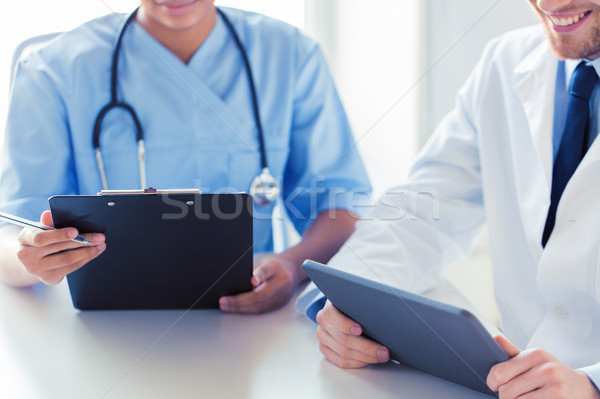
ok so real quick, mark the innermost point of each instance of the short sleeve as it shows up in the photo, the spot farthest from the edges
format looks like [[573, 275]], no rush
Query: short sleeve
[[324, 169], [37, 159]]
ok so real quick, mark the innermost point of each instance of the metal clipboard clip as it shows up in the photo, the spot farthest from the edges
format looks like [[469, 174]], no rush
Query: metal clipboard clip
[[151, 191]]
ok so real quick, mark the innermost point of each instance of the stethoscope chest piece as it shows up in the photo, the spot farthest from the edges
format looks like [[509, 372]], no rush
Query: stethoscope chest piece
[[264, 188]]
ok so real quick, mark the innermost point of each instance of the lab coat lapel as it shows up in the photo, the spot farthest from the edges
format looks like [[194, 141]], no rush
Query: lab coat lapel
[[535, 88]]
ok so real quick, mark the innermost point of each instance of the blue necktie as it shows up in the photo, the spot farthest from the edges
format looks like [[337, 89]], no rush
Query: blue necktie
[[574, 142]]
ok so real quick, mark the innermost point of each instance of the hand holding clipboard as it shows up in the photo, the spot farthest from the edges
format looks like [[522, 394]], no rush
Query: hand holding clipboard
[[29, 223], [50, 254], [166, 249]]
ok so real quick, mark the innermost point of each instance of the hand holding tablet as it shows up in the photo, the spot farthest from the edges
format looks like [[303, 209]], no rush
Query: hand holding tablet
[[419, 332]]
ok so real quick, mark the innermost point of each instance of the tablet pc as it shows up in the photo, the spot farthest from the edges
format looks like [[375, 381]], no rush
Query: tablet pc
[[420, 332], [163, 251]]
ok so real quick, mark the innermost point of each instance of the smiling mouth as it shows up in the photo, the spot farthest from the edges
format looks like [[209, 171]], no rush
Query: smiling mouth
[[570, 20], [173, 3]]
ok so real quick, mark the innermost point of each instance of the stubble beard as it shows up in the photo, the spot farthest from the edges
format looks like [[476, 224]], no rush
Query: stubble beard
[[573, 46], [563, 47]]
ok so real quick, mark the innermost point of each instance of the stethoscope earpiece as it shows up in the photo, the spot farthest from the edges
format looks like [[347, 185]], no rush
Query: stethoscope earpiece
[[264, 187]]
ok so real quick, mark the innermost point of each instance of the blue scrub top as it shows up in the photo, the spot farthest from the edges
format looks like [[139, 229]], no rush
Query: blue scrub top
[[197, 118]]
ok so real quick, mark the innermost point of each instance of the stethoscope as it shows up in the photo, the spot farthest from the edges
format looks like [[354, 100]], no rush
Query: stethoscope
[[264, 187]]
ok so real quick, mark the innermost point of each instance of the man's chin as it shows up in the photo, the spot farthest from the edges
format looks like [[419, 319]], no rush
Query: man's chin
[[564, 48], [574, 54]]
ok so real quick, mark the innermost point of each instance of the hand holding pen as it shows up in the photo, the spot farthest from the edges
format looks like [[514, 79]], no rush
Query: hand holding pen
[[18, 221], [50, 254]]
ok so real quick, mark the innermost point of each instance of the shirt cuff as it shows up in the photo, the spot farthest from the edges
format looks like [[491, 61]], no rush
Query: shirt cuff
[[311, 301], [593, 373]]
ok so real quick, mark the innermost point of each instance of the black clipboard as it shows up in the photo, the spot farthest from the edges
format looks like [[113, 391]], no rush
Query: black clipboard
[[165, 249]]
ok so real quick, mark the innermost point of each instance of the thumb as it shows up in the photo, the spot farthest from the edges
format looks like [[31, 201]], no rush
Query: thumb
[[263, 272], [46, 219], [508, 347]]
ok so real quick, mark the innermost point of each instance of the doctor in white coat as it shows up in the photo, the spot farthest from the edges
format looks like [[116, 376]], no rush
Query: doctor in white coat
[[491, 160]]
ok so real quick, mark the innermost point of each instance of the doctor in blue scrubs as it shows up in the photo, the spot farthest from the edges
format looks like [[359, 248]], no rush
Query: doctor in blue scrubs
[[181, 68]]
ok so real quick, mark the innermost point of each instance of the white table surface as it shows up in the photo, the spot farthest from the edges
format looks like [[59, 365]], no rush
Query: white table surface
[[50, 350]]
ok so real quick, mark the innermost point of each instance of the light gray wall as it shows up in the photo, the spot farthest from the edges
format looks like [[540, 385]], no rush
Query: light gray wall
[[398, 65], [455, 33], [372, 49]]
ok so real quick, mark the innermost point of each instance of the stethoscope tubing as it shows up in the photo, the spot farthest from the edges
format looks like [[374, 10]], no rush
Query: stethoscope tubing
[[114, 103], [261, 140]]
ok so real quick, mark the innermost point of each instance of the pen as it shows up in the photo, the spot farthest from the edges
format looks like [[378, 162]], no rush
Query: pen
[[28, 223]]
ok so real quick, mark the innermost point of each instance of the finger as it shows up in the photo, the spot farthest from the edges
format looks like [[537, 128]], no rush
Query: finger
[[96, 239], [46, 219], [371, 350], [55, 276], [261, 299], [508, 347], [537, 394], [522, 384], [344, 330], [506, 371], [32, 237], [272, 293], [352, 348], [338, 360], [264, 272], [331, 315], [34, 258], [501, 373], [233, 303], [41, 266], [71, 257]]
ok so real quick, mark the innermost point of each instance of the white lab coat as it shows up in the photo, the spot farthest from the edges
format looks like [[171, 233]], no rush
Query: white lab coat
[[495, 148]]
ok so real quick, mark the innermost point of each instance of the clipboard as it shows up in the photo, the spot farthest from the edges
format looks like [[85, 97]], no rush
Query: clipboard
[[165, 249], [420, 332]]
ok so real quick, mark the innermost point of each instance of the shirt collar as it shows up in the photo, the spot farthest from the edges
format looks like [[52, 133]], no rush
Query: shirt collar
[[570, 66]]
